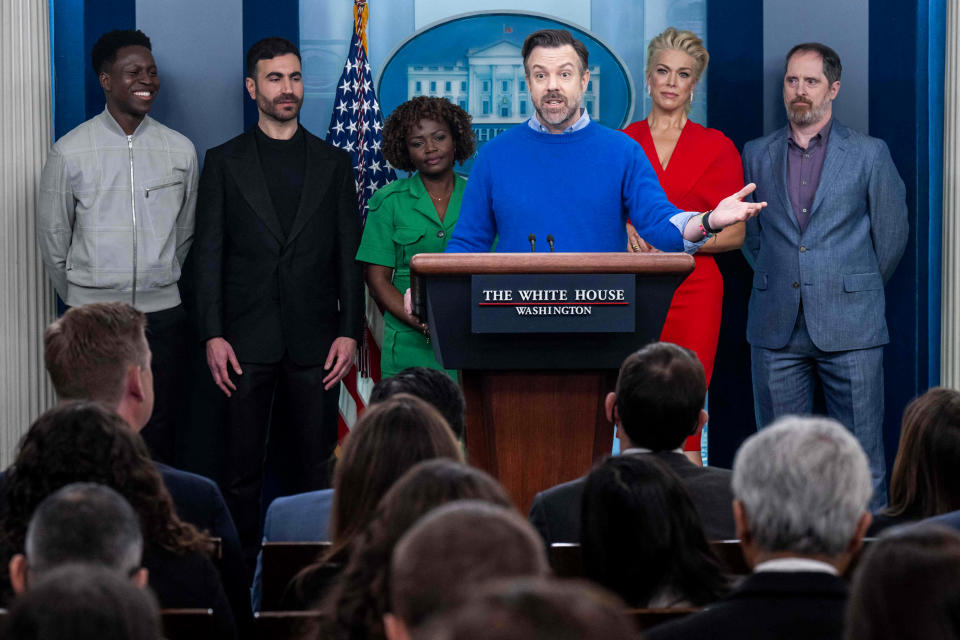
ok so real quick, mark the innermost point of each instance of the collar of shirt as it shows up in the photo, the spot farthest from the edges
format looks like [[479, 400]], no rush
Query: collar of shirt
[[582, 122], [820, 137], [795, 565], [635, 450]]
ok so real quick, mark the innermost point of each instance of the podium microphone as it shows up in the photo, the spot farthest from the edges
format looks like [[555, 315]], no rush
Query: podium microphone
[[550, 241], [533, 243]]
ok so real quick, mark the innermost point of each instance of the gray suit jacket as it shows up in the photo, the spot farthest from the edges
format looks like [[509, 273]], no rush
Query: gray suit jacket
[[855, 237], [555, 513]]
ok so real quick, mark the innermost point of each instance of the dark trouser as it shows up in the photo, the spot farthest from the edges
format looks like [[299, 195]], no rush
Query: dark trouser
[[852, 381], [167, 335], [309, 427]]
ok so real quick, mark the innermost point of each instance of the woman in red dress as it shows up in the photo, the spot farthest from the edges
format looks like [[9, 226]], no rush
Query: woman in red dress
[[697, 167]]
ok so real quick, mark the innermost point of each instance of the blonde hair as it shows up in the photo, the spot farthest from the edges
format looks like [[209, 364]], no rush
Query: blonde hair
[[686, 41]]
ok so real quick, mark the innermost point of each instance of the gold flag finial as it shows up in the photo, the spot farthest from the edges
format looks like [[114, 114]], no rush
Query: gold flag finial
[[360, 13]]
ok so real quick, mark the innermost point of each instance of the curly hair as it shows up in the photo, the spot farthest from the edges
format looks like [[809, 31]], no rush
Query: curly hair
[[362, 594], [105, 48], [85, 442], [408, 114]]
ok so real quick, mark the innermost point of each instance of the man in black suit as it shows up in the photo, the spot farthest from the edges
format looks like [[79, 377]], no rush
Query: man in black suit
[[279, 294], [657, 404], [100, 352], [801, 489]]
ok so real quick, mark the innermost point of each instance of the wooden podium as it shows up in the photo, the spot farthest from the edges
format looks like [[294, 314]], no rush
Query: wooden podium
[[535, 372]]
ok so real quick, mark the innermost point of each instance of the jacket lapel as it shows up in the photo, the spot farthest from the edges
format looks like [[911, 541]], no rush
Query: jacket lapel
[[423, 205], [778, 168], [316, 178], [832, 164], [253, 186]]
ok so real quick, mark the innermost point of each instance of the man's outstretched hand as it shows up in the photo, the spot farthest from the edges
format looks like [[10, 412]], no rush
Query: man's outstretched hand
[[730, 210]]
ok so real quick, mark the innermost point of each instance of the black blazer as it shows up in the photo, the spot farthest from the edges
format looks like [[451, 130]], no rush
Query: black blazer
[[198, 501], [189, 581], [555, 513], [774, 606], [265, 292]]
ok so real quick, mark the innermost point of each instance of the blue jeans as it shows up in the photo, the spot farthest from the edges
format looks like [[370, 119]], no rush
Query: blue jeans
[[784, 381]]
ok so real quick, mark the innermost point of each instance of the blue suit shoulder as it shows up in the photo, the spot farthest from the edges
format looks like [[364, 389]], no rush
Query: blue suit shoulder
[[197, 499], [186, 479], [759, 144], [302, 517]]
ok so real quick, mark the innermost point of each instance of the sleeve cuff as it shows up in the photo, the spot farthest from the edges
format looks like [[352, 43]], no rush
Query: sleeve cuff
[[372, 256], [680, 221]]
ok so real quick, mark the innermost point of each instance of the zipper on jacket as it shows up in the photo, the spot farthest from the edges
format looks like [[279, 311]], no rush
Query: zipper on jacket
[[133, 212], [161, 186]]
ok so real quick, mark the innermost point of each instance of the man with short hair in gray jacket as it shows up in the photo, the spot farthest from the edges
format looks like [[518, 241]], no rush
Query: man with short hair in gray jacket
[[116, 213]]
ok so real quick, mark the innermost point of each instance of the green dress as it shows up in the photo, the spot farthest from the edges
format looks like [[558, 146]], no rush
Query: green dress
[[402, 223]]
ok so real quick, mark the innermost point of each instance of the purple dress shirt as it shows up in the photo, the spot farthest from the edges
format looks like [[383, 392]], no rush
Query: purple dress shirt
[[803, 172]]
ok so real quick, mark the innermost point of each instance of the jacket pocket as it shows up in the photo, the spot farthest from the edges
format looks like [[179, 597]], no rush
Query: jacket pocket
[[148, 190], [862, 282], [162, 200], [760, 280], [408, 239]]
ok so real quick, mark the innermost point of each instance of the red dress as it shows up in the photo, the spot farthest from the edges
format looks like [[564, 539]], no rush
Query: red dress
[[704, 169]]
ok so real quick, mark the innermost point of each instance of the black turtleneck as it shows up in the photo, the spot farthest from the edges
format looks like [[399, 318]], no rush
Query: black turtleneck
[[283, 162]]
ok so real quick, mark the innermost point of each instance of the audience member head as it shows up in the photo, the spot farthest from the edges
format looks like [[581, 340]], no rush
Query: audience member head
[[431, 385], [926, 473], [389, 438], [362, 597], [907, 585], [85, 442], [641, 536], [801, 488], [99, 352], [535, 609], [81, 523], [659, 397], [450, 552], [84, 602]]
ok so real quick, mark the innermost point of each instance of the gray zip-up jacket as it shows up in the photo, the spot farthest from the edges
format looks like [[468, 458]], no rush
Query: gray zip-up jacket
[[115, 213]]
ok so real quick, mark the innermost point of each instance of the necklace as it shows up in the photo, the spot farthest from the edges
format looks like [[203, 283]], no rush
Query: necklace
[[440, 198]]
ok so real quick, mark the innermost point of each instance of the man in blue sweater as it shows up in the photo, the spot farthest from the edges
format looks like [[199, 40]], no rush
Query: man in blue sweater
[[567, 176]]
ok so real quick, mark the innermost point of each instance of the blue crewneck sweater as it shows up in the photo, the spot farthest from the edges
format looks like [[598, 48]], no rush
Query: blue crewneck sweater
[[579, 187]]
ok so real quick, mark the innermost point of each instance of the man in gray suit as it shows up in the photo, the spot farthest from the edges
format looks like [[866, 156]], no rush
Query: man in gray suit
[[657, 404], [833, 233]]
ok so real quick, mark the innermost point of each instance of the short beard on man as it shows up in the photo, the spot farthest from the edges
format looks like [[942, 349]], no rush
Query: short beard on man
[[563, 116], [809, 115], [272, 107]]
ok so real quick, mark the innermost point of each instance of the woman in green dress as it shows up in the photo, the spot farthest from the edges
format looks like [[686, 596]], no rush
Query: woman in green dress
[[413, 215]]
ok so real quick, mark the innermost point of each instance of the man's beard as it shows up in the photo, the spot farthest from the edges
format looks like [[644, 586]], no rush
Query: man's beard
[[565, 113], [273, 109], [809, 115]]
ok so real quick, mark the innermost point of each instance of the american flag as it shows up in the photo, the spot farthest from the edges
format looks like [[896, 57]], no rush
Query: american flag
[[355, 126], [356, 121]]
